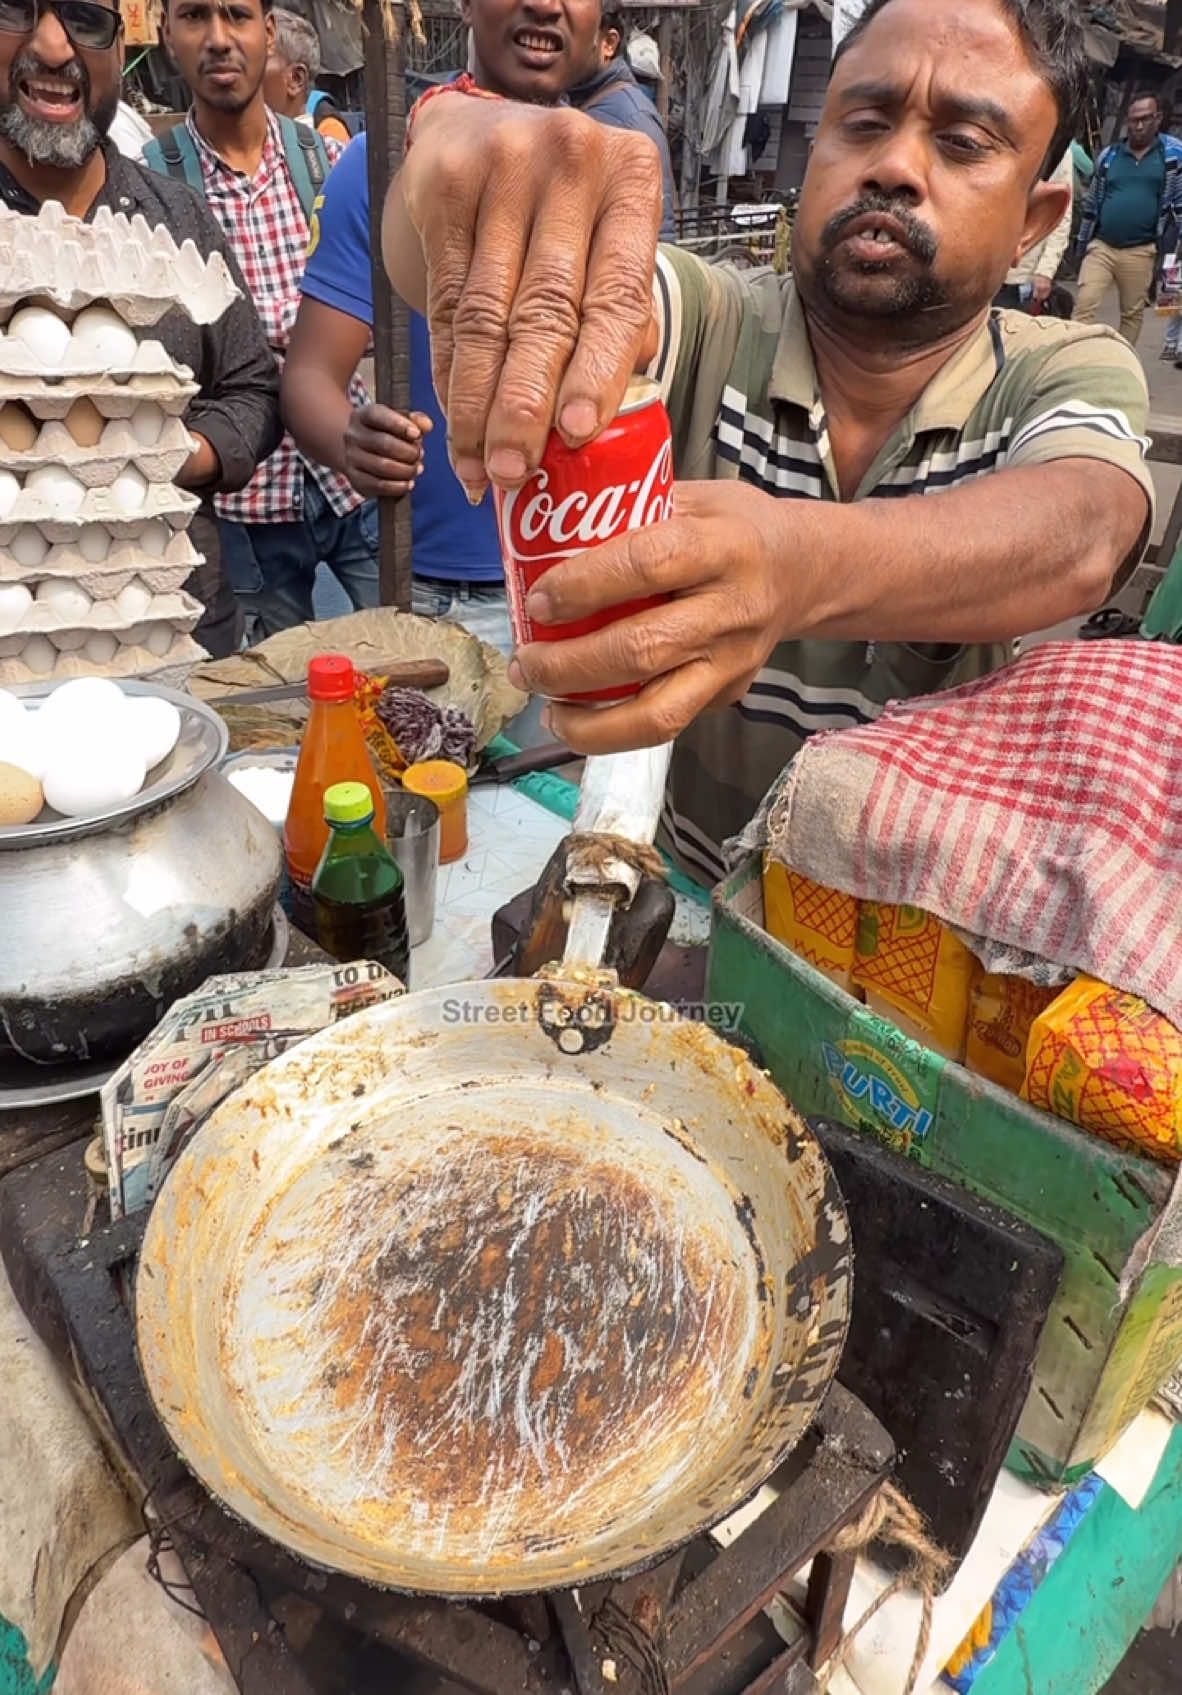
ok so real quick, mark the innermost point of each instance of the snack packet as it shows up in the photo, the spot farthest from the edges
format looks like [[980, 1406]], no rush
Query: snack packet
[[1001, 1013], [915, 973], [1109, 1063], [817, 923]]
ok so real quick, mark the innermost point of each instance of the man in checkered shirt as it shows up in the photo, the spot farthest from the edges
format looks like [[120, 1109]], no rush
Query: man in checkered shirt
[[294, 512]]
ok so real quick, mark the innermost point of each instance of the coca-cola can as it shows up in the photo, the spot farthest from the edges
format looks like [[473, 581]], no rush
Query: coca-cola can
[[580, 497]]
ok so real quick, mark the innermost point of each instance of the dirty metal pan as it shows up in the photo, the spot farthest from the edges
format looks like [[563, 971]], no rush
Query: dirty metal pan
[[494, 1289]]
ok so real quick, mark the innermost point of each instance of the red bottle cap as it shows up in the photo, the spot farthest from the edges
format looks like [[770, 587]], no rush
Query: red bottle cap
[[330, 677]]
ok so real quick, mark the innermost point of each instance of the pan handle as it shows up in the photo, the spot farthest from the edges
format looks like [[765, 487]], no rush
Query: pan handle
[[620, 796]]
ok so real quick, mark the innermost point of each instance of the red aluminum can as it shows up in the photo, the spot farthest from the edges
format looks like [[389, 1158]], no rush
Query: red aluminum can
[[579, 498]]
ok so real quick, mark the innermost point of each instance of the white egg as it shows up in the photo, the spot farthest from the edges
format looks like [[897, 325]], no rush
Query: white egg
[[68, 641], [94, 543], [155, 726], [160, 638], [43, 333], [9, 491], [154, 538], [83, 703], [133, 600], [102, 341], [65, 597], [12, 709], [57, 489], [15, 601], [40, 655], [28, 546], [22, 743], [100, 647], [92, 775], [128, 490], [147, 421]]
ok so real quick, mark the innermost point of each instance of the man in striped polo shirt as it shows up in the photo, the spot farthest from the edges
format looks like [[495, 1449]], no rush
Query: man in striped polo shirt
[[876, 376]]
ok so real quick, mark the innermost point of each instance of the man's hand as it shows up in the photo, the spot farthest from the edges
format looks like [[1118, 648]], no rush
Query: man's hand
[[538, 232], [1040, 289], [721, 556], [201, 468], [384, 450]]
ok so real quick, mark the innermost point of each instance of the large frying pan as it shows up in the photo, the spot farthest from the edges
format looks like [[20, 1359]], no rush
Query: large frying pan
[[496, 1288]]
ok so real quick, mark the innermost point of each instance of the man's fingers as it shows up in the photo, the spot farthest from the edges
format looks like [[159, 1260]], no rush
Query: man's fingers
[[448, 235], [616, 305], [669, 558], [383, 420], [633, 649], [657, 714], [543, 324], [377, 445], [498, 278]]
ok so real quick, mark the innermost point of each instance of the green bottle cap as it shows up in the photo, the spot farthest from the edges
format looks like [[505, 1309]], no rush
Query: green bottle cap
[[347, 803]]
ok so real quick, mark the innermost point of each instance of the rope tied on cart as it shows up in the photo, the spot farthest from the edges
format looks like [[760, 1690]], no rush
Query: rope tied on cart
[[890, 1517]]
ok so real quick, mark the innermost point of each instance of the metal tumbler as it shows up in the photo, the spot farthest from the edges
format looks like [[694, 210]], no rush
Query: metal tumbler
[[412, 835]]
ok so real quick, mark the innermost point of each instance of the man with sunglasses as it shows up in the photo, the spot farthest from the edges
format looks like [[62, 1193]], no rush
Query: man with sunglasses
[[61, 65]]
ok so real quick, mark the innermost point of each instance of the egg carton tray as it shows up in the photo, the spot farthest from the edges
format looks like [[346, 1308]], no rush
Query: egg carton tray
[[137, 269], [69, 633], [151, 359], [161, 500], [97, 466], [171, 667], [103, 578], [171, 391]]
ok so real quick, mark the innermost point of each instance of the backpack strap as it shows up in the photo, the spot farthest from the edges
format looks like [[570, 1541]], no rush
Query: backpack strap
[[315, 100], [174, 155], [307, 160]]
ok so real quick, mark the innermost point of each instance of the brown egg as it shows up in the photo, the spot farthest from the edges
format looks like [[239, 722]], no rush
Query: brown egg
[[85, 422], [18, 427], [21, 798]]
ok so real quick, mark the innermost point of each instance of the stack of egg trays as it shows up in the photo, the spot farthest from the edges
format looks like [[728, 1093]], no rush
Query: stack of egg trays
[[100, 542]]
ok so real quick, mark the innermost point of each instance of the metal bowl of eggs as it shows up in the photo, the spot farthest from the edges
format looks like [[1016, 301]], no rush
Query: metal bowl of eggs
[[130, 869]]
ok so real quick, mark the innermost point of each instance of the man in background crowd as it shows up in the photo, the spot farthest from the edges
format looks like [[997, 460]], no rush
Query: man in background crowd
[[608, 91], [59, 91], [289, 86], [1028, 284], [1130, 217], [534, 53], [260, 174]]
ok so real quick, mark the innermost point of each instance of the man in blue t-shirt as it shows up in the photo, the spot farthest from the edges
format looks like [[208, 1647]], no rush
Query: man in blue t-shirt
[[456, 553]]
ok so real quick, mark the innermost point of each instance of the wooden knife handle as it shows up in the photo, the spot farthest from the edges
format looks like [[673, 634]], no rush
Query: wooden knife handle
[[411, 673]]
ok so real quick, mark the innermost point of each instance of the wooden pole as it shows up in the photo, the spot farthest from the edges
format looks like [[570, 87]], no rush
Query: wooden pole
[[665, 53], [385, 121]]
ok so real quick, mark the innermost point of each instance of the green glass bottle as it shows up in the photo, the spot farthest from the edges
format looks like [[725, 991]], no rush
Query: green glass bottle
[[358, 892]]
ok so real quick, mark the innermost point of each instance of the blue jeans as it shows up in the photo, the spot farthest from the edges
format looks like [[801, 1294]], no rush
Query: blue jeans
[[272, 567], [481, 608]]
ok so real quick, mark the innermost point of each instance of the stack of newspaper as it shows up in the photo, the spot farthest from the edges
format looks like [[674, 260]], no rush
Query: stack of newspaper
[[207, 1046]]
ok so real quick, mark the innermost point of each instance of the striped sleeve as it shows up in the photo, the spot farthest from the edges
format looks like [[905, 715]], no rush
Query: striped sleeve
[[1086, 399], [699, 311]]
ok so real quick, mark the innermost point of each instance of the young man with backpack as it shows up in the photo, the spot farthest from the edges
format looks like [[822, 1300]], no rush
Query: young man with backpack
[[260, 174]]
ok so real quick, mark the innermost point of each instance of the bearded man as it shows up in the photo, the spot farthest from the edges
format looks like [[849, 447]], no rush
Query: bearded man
[[61, 67]]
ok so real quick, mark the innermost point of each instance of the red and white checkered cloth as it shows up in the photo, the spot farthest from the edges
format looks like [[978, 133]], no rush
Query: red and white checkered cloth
[[1040, 808]]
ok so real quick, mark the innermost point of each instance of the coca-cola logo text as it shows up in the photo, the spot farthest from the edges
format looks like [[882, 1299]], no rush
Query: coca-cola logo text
[[531, 515]]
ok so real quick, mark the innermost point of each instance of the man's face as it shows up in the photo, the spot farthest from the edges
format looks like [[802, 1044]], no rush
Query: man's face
[[57, 100], [924, 181], [285, 86], [1144, 123], [221, 48], [533, 49]]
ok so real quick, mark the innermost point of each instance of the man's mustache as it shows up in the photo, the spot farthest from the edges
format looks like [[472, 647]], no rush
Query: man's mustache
[[917, 238], [28, 64]]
